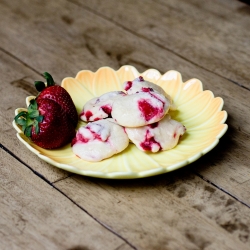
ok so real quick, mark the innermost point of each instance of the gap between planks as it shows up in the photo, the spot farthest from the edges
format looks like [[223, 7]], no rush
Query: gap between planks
[[222, 189], [135, 34], [158, 45], [99, 14], [52, 185], [34, 70], [128, 30], [20, 61]]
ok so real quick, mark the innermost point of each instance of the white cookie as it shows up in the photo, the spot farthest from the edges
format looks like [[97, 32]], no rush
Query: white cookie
[[99, 107], [140, 85], [139, 109], [99, 140], [163, 135]]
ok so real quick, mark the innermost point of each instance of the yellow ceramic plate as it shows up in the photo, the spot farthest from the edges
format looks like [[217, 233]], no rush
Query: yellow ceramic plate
[[198, 110]]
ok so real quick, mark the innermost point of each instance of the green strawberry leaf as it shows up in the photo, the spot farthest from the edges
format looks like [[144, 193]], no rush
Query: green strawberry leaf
[[23, 116], [32, 106], [34, 114], [36, 126], [49, 79], [29, 122], [21, 122], [27, 131], [23, 127], [40, 85], [39, 118], [37, 129], [29, 119]]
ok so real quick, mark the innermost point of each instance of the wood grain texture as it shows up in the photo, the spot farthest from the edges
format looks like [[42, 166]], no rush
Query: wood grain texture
[[172, 211], [17, 82], [227, 165], [34, 215], [211, 202], [212, 34], [178, 210], [87, 41]]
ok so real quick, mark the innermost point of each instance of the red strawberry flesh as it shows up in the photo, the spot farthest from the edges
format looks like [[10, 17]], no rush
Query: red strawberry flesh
[[62, 97], [55, 130]]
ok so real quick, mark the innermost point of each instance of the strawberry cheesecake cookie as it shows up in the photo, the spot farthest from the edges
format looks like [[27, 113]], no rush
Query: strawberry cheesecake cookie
[[116, 118], [100, 107], [140, 85], [163, 135], [99, 140], [140, 109]]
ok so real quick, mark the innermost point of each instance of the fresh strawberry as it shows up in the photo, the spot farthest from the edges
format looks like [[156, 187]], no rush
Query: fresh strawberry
[[50, 119], [59, 95]]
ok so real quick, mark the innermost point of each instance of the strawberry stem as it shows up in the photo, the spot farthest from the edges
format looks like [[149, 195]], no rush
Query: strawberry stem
[[29, 119], [49, 79], [40, 86]]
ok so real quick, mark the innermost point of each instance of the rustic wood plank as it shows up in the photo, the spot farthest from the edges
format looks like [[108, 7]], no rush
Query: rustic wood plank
[[172, 211], [212, 34], [35, 215], [17, 82], [220, 165], [64, 39], [211, 202], [85, 41]]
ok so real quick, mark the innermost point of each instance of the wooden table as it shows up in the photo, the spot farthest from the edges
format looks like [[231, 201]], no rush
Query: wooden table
[[204, 205]]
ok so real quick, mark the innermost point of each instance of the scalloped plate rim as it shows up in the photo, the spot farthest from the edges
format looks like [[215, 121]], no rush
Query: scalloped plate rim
[[123, 174]]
